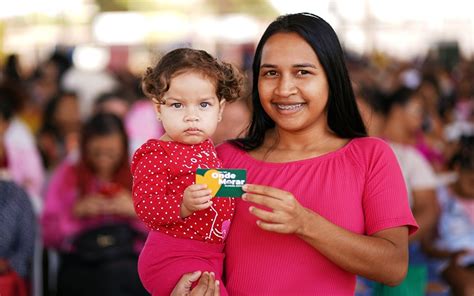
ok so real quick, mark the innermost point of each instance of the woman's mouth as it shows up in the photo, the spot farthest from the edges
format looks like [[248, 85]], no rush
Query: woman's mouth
[[289, 108]]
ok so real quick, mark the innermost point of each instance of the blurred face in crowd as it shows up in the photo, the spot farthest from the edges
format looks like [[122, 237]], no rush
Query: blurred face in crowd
[[116, 105], [412, 114], [466, 183], [105, 153], [67, 114]]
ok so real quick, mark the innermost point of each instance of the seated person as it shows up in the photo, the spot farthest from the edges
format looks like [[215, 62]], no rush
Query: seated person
[[90, 197]]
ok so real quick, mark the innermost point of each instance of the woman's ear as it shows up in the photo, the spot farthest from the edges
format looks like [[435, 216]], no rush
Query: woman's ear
[[221, 109]]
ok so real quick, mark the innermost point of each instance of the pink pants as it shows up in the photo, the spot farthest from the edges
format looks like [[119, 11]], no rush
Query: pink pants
[[164, 259]]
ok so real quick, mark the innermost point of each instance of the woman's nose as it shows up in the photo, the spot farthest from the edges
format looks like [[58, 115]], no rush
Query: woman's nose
[[286, 87]]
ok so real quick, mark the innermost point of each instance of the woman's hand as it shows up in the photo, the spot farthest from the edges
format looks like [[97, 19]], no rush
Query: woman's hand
[[286, 215], [90, 205], [196, 197], [121, 204], [207, 285]]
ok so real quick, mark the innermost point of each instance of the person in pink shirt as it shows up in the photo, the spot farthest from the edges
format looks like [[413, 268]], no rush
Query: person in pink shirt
[[323, 202], [17, 148], [90, 197]]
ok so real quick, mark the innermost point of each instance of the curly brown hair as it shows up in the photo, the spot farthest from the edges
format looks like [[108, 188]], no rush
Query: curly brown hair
[[227, 79]]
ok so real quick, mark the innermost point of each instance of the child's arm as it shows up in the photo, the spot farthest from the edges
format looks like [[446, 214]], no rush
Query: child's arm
[[154, 203], [196, 197]]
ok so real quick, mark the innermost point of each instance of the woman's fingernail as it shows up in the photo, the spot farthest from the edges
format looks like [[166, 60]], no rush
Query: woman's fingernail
[[245, 187], [244, 196], [251, 209]]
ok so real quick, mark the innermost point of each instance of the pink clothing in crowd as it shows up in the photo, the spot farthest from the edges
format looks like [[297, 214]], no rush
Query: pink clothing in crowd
[[359, 187], [60, 226], [24, 161], [141, 124]]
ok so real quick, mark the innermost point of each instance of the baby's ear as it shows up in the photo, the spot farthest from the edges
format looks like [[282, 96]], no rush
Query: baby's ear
[[221, 109], [157, 108]]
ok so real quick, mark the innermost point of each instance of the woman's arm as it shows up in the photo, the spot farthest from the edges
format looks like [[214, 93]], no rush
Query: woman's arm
[[382, 257]]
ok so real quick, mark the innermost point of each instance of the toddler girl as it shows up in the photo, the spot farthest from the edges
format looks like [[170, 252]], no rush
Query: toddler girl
[[189, 88]]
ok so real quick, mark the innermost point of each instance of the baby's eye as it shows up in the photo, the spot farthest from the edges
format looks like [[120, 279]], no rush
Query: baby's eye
[[204, 104], [176, 105]]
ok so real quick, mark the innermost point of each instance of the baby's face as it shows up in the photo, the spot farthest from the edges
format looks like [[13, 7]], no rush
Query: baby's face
[[191, 109]]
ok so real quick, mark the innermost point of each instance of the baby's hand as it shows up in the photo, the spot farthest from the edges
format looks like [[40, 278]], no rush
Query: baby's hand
[[196, 197]]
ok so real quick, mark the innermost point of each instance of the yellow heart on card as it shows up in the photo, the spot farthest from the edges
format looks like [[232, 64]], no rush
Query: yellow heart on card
[[211, 178]]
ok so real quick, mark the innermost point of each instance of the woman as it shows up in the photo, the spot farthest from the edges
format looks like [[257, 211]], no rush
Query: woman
[[89, 216], [330, 202]]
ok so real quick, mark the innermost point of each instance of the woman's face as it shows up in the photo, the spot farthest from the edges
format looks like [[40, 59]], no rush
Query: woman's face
[[292, 84], [105, 153]]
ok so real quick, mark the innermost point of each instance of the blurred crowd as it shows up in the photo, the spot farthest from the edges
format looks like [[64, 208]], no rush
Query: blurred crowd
[[67, 134]]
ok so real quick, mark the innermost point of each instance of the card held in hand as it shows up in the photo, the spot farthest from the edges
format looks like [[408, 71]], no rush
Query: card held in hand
[[222, 182]]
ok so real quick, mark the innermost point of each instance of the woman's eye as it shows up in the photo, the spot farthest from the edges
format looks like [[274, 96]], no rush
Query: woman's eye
[[204, 104], [303, 72], [270, 73], [176, 105]]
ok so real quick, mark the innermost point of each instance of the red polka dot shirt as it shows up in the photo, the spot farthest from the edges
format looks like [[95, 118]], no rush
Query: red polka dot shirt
[[161, 172]]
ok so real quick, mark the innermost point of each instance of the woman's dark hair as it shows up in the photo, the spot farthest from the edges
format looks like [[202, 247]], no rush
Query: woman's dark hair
[[342, 113], [11, 101], [227, 79], [99, 125], [464, 156], [7, 108]]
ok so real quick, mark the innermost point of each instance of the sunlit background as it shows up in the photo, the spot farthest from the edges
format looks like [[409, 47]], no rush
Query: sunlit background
[[128, 31], [63, 61]]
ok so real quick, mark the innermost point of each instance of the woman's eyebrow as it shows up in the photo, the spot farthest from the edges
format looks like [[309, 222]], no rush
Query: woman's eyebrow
[[300, 65], [267, 66], [304, 65]]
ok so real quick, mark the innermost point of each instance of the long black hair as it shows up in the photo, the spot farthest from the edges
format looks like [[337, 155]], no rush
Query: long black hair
[[342, 113]]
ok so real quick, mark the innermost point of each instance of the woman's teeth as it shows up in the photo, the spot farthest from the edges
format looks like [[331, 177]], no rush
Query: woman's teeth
[[289, 107]]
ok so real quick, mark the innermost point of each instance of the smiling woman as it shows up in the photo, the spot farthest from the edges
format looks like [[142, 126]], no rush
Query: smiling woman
[[322, 202], [293, 92]]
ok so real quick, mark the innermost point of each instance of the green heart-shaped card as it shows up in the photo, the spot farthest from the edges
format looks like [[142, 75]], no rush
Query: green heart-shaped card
[[222, 182]]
